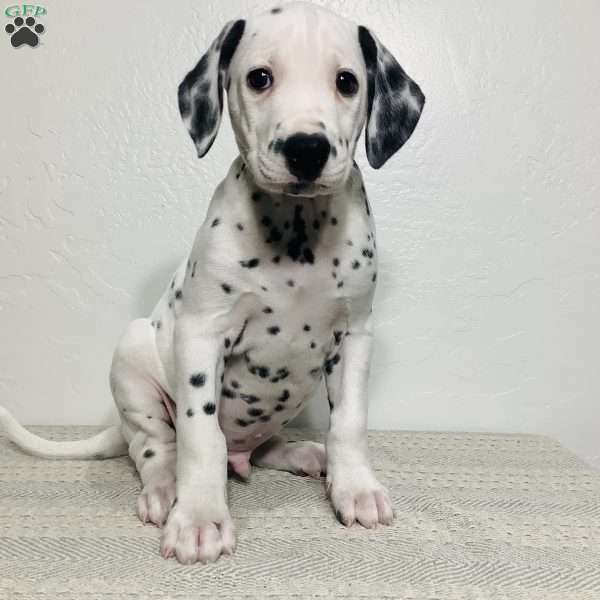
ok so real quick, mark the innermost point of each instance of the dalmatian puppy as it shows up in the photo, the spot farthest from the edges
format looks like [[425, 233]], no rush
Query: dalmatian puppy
[[276, 292]]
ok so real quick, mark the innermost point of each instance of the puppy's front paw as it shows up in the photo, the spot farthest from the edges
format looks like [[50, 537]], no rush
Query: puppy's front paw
[[357, 496], [197, 533]]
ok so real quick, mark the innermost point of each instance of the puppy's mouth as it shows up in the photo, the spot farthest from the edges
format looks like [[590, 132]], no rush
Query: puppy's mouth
[[281, 181], [305, 188]]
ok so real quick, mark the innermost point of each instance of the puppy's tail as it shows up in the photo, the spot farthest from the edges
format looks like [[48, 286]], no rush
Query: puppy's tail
[[106, 444]]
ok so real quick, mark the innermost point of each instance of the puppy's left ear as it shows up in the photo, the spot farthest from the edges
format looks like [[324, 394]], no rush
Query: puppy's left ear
[[200, 94], [395, 101]]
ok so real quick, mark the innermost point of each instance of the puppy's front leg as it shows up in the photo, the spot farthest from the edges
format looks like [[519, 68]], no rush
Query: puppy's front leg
[[199, 526], [355, 493]]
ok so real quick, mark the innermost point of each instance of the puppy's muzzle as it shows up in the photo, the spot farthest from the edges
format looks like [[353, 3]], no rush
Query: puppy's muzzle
[[306, 155]]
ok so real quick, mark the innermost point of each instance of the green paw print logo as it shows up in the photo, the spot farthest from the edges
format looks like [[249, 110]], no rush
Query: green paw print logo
[[24, 29]]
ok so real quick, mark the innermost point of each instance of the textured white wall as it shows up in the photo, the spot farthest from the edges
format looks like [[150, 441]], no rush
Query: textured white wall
[[487, 311]]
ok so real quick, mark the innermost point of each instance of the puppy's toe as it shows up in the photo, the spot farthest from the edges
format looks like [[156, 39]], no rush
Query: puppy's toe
[[155, 502], [210, 545], [366, 510]]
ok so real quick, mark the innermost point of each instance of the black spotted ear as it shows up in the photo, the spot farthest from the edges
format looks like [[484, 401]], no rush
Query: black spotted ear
[[395, 101], [200, 94]]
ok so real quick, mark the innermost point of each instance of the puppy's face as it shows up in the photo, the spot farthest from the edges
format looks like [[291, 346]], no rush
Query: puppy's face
[[298, 99], [301, 82]]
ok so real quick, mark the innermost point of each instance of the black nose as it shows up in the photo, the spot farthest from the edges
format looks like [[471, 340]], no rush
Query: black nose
[[306, 155]]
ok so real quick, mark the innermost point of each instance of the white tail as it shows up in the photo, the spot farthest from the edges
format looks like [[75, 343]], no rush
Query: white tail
[[106, 444]]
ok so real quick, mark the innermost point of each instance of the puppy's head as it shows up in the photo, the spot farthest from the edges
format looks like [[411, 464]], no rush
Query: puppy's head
[[301, 82]]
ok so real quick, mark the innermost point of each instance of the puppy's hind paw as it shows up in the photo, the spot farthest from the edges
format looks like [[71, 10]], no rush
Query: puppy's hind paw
[[155, 502]]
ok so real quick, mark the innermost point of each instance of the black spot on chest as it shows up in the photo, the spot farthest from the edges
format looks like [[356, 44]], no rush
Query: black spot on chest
[[275, 235], [299, 237], [308, 255], [280, 375], [250, 264]]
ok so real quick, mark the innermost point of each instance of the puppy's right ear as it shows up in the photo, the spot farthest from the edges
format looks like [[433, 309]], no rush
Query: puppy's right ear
[[200, 94]]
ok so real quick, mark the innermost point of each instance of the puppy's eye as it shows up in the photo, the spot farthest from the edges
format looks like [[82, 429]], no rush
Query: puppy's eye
[[260, 79], [346, 83]]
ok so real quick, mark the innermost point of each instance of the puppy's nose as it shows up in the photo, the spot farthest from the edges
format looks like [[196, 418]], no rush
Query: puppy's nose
[[306, 155]]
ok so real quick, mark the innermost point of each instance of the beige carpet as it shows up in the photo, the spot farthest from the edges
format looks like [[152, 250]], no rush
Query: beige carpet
[[478, 516]]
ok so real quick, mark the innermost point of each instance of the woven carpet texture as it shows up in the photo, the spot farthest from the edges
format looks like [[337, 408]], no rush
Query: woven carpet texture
[[478, 516]]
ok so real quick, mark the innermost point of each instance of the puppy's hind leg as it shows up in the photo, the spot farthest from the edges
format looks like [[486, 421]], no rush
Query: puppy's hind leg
[[301, 458], [145, 421]]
